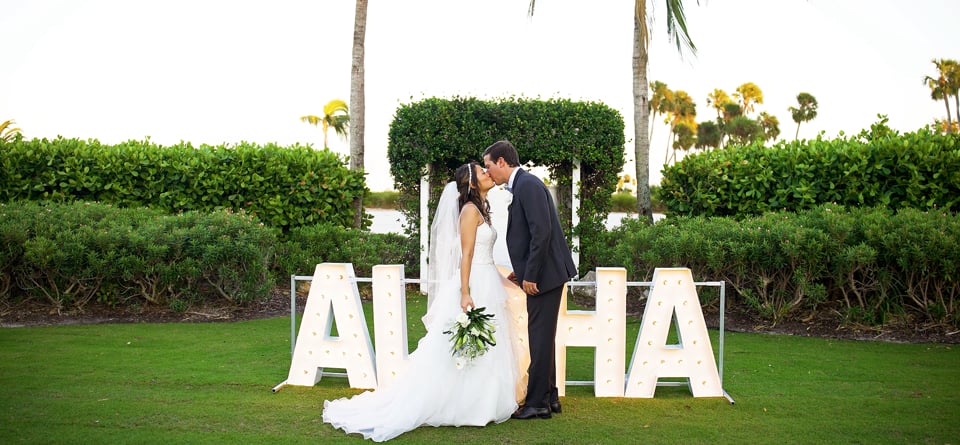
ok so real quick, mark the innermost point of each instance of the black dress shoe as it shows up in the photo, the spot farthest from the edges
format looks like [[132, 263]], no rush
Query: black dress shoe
[[555, 407], [529, 412]]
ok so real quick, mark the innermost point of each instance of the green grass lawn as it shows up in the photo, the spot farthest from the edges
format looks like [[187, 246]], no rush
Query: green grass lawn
[[211, 382]]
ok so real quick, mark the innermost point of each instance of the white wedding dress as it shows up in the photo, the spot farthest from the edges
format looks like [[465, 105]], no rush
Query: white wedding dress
[[432, 391]]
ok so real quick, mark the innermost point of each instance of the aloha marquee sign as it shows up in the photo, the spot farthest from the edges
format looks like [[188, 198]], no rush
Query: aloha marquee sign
[[672, 302]]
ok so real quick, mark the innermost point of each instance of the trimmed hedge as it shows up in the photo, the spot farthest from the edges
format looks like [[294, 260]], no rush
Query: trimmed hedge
[[73, 253], [305, 247], [872, 264], [877, 168], [284, 187], [69, 255]]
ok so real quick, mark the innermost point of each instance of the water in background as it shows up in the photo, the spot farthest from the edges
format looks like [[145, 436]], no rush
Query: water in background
[[387, 221]]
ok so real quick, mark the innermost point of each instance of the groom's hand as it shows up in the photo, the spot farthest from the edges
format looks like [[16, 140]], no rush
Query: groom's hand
[[530, 288]]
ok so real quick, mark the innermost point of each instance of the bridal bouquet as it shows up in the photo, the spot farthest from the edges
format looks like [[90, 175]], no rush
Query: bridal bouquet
[[471, 335]]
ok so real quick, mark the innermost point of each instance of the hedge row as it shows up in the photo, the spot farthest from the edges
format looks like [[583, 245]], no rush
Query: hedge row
[[71, 254], [872, 264], [305, 247], [284, 187], [68, 255], [876, 168]]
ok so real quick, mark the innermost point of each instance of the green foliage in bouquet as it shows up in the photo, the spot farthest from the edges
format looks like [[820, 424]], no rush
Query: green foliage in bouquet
[[471, 335]]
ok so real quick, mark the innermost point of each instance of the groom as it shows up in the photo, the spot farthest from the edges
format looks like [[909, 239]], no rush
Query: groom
[[542, 265]]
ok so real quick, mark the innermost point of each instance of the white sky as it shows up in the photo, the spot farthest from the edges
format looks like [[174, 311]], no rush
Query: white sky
[[225, 71]]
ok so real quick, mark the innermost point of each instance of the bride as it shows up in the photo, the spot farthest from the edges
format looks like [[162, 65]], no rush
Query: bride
[[433, 389]]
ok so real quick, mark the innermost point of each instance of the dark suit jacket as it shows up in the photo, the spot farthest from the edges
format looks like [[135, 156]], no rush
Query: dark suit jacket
[[535, 241]]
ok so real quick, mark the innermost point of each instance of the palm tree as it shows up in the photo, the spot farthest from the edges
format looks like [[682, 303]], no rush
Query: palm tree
[[731, 111], [685, 136], [683, 113], [805, 112], [940, 88], [336, 115], [952, 74], [748, 94], [677, 30], [8, 131], [659, 101], [742, 130], [357, 102], [709, 135], [669, 107], [718, 99], [770, 125]]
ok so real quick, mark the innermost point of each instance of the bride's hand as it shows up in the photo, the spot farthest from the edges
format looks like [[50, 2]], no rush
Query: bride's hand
[[466, 303]]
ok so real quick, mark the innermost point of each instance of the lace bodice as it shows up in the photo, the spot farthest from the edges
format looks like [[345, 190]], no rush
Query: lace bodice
[[483, 248]]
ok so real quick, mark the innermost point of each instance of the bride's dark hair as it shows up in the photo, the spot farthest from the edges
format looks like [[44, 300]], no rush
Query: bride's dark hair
[[466, 179]]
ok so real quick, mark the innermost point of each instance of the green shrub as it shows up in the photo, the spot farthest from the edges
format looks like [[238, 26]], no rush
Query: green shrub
[[305, 247], [381, 200], [880, 168], [872, 264], [284, 187], [72, 253], [626, 202]]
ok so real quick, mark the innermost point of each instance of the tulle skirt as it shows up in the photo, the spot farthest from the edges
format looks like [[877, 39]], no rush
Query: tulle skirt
[[432, 390]]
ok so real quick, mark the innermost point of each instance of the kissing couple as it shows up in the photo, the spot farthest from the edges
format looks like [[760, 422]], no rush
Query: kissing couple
[[433, 390]]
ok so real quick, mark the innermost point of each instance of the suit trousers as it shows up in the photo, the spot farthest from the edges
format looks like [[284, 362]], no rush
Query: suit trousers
[[542, 312]]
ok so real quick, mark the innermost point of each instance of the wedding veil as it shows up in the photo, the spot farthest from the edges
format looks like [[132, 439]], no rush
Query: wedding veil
[[444, 257]]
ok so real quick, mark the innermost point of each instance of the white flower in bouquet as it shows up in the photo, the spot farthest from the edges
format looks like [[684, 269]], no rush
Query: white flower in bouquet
[[463, 320], [471, 335]]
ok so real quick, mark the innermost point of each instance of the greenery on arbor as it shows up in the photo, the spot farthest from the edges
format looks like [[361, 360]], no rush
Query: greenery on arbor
[[434, 136]]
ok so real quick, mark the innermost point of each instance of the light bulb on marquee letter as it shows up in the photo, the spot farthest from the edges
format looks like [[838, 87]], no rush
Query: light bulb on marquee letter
[[673, 292], [389, 322], [352, 350], [605, 329]]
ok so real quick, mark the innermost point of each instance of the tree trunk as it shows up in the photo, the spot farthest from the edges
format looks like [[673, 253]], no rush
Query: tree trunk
[[670, 139], [653, 122], [946, 101], [797, 135], [956, 108], [357, 106], [641, 118]]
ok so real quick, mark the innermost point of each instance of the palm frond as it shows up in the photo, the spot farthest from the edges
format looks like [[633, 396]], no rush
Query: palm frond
[[677, 26], [311, 119], [335, 106], [7, 132]]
